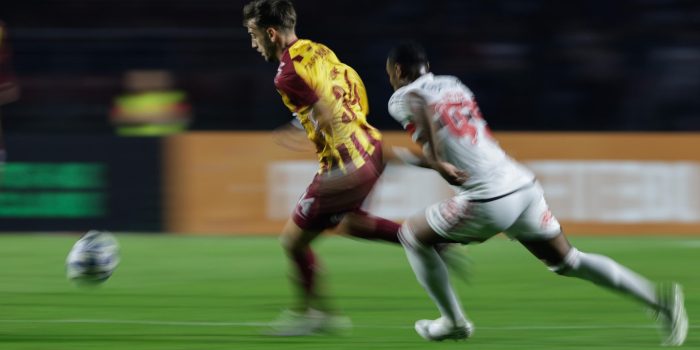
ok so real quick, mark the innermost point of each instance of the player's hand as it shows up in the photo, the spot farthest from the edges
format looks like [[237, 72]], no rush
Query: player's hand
[[450, 173]]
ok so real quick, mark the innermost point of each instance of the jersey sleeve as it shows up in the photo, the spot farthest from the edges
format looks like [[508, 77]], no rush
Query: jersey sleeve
[[401, 111], [289, 82], [398, 108], [298, 90]]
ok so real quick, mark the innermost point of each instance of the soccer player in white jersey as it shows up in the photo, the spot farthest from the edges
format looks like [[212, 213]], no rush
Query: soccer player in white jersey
[[494, 194]]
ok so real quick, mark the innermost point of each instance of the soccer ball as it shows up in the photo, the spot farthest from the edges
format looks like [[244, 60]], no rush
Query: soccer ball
[[93, 258]]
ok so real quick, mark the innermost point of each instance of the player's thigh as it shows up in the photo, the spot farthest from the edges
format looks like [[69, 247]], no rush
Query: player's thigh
[[317, 209], [459, 220], [422, 231], [330, 197], [535, 222], [538, 230]]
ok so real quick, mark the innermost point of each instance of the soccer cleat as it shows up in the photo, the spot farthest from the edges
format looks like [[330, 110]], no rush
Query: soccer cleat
[[441, 329], [336, 325], [672, 317], [294, 323]]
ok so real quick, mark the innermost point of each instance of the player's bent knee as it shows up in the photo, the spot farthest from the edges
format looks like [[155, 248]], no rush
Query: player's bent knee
[[285, 242], [407, 237], [570, 263], [291, 242]]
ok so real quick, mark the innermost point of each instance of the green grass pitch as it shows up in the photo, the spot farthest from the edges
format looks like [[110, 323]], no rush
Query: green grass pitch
[[179, 292]]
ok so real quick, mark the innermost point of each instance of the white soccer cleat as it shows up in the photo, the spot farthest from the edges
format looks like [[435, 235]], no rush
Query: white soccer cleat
[[441, 329], [312, 322], [672, 317]]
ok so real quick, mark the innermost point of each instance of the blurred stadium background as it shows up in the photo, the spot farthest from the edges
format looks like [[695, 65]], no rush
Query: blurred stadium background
[[85, 69], [156, 117]]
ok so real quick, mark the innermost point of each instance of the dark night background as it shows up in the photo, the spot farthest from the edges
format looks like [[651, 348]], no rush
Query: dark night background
[[601, 65]]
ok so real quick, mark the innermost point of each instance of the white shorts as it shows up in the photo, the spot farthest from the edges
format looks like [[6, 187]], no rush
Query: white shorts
[[522, 215]]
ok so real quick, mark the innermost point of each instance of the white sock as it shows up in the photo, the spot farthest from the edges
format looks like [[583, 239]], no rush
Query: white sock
[[604, 271], [432, 274]]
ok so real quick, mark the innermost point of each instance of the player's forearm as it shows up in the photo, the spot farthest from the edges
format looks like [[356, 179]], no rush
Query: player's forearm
[[408, 156], [431, 155], [422, 112]]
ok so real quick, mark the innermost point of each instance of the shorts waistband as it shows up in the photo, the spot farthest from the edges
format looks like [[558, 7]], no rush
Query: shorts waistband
[[486, 200]]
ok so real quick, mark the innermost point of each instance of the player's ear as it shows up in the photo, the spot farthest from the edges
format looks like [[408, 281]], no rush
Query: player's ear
[[397, 71], [271, 33]]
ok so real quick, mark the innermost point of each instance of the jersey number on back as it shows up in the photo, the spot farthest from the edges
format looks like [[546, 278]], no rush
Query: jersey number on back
[[460, 117], [348, 96]]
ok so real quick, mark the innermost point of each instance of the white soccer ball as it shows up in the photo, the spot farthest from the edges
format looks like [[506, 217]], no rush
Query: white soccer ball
[[93, 258]]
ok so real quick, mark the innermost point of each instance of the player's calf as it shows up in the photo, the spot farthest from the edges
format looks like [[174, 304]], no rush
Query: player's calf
[[608, 273], [361, 225]]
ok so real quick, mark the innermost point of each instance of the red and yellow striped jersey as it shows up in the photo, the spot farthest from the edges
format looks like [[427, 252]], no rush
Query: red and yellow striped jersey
[[310, 72]]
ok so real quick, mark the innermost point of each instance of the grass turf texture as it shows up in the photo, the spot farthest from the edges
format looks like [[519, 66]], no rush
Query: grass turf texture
[[174, 292]]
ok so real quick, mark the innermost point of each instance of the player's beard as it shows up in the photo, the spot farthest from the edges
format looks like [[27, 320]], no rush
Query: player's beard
[[269, 50]]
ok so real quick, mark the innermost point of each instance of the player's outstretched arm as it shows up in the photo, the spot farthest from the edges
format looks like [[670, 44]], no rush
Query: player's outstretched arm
[[406, 155], [292, 136]]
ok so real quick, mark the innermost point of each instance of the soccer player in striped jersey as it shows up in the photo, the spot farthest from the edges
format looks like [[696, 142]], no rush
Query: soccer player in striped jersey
[[329, 100], [494, 194]]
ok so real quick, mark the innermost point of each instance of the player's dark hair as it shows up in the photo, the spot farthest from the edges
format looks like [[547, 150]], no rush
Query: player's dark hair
[[278, 14], [411, 57]]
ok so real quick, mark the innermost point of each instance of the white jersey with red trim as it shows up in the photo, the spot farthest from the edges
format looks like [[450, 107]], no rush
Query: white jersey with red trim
[[463, 137]]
